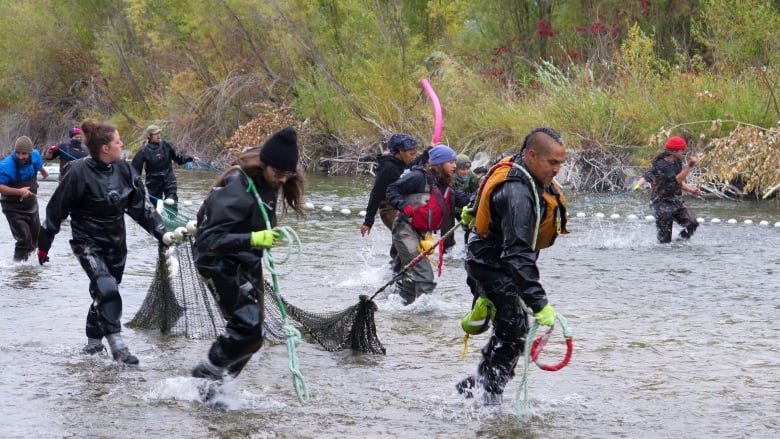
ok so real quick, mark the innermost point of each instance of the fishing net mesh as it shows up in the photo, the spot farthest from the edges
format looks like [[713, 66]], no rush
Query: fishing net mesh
[[180, 303]]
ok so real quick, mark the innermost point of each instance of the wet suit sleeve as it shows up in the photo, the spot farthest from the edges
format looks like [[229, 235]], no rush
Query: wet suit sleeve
[[459, 197], [139, 208], [226, 218], [511, 206], [178, 157], [384, 177], [61, 203], [138, 161]]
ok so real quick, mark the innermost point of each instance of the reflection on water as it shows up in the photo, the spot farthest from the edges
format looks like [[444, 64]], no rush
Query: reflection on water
[[670, 340]]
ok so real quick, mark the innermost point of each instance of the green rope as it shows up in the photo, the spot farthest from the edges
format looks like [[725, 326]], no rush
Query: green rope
[[292, 335], [522, 403]]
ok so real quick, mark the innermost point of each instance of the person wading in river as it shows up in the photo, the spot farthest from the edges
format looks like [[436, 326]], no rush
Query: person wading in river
[[156, 156], [424, 197], [403, 149], [667, 178], [520, 210], [67, 151], [96, 193], [18, 195], [231, 238]]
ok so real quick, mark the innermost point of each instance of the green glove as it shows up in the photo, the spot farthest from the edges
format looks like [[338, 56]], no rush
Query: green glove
[[546, 316], [636, 187], [478, 319], [263, 238], [467, 216]]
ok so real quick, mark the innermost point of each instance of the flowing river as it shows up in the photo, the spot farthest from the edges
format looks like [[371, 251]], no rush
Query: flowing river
[[677, 340]]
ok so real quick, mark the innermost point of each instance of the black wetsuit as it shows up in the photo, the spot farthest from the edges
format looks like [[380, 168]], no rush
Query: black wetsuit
[[97, 196], [232, 268], [156, 158], [502, 266]]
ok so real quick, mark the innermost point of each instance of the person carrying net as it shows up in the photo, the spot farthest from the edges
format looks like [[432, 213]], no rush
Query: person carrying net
[[425, 198], [230, 240], [96, 193]]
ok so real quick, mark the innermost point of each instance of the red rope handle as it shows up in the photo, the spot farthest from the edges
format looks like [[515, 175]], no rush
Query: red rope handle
[[539, 344]]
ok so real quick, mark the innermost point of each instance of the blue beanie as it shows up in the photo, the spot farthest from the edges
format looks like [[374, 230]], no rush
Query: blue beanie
[[441, 154]]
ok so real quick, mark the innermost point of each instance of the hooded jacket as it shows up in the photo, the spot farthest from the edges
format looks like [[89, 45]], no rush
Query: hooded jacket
[[389, 168]]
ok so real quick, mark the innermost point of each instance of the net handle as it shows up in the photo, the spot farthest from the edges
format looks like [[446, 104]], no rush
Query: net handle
[[415, 261]]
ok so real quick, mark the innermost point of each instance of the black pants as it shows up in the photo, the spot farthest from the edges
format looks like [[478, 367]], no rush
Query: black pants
[[666, 214], [25, 224], [506, 344], [242, 306], [104, 268]]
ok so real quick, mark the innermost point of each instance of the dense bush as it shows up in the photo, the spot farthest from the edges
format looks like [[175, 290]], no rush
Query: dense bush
[[614, 77]]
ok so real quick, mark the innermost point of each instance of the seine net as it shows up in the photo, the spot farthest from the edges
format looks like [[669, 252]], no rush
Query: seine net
[[180, 303]]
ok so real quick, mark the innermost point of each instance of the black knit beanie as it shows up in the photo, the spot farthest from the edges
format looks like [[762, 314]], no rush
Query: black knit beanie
[[281, 150]]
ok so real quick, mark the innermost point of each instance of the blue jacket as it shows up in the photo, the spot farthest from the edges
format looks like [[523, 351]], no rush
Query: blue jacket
[[10, 172]]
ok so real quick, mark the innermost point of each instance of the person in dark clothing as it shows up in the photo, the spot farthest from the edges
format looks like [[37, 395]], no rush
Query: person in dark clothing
[[667, 180], [96, 193], [229, 244], [67, 151], [518, 212], [156, 156], [18, 195], [424, 196], [402, 151]]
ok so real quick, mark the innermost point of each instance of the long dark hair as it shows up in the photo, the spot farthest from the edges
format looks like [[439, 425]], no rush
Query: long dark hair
[[249, 162], [440, 175]]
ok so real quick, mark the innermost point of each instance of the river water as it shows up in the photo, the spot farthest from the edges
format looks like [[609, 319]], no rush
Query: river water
[[674, 340]]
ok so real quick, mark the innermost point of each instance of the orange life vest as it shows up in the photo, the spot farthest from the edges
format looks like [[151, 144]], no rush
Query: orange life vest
[[546, 230]]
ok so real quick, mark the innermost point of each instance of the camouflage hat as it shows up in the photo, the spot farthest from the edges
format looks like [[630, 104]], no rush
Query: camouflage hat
[[462, 161], [152, 129]]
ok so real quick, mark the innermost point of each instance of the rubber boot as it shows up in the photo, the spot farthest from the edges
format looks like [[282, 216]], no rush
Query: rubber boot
[[210, 387], [94, 346], [119, 350], [466, 386]]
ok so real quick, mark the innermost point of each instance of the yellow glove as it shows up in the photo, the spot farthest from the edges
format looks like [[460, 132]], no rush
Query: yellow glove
[[263, 238], [467, 216], [636, 187], [546, 316], [425, 244]]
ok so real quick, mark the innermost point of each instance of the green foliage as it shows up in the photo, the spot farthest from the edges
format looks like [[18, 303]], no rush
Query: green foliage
[[611, 75], [741, 33]]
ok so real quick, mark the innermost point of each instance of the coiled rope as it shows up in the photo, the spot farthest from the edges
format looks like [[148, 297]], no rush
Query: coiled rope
[[291, 333], [533, 348]]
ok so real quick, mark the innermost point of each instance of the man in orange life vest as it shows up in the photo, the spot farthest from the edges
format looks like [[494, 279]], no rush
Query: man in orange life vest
[[519, 210], [425, 198]]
